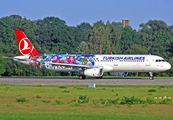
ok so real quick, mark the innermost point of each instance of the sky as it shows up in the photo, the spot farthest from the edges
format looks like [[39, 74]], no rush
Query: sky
[[74, 12]]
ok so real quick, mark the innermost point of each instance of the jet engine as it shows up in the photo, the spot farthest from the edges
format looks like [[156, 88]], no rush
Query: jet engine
[[94, 72], [118, 73]]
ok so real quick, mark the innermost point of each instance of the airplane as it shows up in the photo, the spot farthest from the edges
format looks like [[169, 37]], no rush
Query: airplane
[[92, 65]]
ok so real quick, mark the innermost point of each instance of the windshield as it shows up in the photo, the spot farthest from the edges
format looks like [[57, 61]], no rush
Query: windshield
[[160, 60]]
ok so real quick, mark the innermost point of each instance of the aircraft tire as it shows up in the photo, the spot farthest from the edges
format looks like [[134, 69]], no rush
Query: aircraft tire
[[81, 77], [151, 78], [99, 77]]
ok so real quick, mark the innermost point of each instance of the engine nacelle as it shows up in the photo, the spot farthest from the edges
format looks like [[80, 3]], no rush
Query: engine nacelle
[[118, 73], [94, 72]]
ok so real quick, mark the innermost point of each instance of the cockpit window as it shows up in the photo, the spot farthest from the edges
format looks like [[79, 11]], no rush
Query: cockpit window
[[160, 60]]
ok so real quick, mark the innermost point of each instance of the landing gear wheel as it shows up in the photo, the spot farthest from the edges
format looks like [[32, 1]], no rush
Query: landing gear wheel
[[151, 78], [99, 77], [82, 77]]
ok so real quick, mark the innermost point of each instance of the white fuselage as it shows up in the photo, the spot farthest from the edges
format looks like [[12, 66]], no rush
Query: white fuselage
[[114, 63], [132, 63]]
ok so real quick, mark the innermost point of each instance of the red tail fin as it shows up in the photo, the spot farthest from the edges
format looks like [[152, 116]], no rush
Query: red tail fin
[[25, 46]]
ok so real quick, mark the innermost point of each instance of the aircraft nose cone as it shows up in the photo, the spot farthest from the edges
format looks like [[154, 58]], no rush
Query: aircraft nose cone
[[168, 66]]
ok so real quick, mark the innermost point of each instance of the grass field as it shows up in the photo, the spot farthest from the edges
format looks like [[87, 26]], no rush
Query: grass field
[[81, 102]]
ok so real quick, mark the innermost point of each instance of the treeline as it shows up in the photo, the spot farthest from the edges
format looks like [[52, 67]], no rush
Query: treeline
[[52, 35]]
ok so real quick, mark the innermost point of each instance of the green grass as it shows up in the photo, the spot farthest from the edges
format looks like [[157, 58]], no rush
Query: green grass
[[19, 116], [81, 102]]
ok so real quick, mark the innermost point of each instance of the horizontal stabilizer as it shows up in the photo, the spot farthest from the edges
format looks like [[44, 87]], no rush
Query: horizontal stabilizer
[[8, 57]]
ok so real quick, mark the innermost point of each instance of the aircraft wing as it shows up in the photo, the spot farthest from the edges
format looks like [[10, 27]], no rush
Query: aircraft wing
[[73, 65]]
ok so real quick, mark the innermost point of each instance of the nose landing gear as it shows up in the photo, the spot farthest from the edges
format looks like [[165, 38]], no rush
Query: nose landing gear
[[151, 76]]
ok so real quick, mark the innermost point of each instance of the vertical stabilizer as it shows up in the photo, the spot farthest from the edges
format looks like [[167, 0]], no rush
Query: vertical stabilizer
[[25, 46]]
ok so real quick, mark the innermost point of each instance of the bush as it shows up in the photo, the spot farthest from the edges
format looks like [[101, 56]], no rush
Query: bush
[[152, 90], [129, 100], [103, 88], [62, 86], [9, 105], [111, 102], [102, 101], [73, 100], [58, 102], [142, 101], [38, 96], [149, 93], [48, 101], [165, 101], [144, 105], [95, 102], [67, 91], [77, 104], [162, 86], [83, 99], [150, 101], [80, 88], [21, 99]]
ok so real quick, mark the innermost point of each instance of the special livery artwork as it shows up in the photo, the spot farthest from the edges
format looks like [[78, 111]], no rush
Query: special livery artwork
[[90, 64], [46, 61]]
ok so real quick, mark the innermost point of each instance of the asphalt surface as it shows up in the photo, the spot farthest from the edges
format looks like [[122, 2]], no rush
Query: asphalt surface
[[75, 81]]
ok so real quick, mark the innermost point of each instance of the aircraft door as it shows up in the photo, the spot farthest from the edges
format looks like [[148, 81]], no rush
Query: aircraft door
[[147, 61], [115, 62]]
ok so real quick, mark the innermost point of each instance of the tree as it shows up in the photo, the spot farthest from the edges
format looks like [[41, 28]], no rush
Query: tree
[[158, 36], [116, 32], [128, 38], [136, 49], [99, 38], [80, 33], [81, 48], [43, 38], [61, 36], [2, 60]]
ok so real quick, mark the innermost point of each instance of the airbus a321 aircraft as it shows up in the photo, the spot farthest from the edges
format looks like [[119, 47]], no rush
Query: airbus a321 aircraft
[[88, 64]]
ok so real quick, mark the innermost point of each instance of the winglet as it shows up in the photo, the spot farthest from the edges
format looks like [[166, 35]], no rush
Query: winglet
[[25, 46]]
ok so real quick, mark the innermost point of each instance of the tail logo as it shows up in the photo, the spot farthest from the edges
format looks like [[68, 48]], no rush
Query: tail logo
[[25, 46]]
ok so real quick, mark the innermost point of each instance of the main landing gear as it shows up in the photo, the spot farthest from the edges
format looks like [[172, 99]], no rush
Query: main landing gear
[[151, 76], [99, 77], [82, 77]]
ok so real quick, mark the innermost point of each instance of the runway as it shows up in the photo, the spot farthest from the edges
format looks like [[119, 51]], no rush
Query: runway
[[75, 81]]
